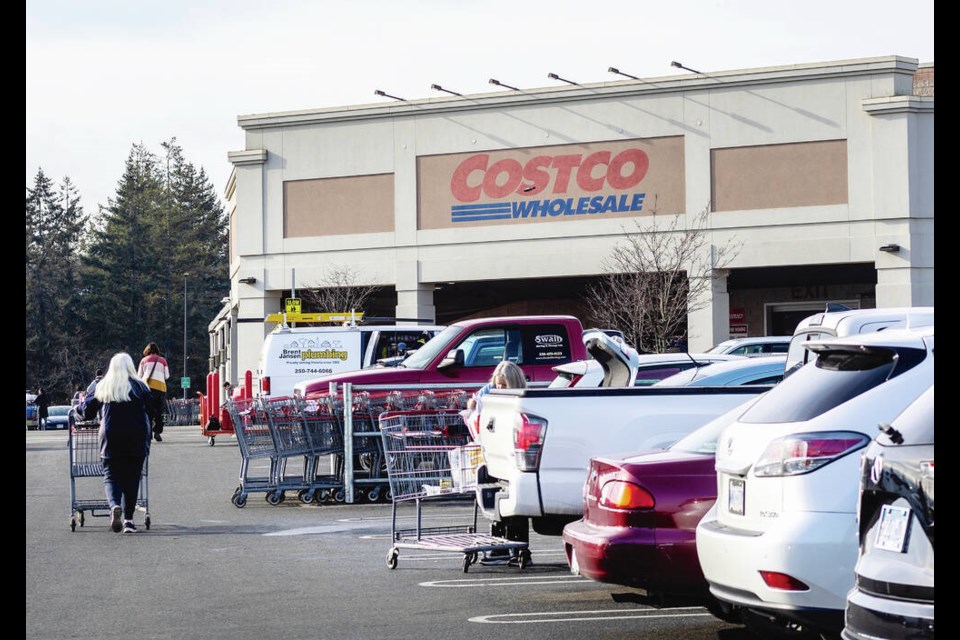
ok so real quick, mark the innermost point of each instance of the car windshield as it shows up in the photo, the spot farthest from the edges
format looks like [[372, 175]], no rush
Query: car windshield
[[423, 356], [59, 411], [704, 440]]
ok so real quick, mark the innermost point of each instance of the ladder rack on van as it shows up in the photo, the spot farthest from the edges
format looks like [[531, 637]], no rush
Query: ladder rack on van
[[351, 317]]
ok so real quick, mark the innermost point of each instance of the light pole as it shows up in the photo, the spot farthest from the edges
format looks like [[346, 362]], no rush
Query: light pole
[[185, 332]]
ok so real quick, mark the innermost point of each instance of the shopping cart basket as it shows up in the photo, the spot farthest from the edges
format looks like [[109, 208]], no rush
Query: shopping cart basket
[[83, 443], [429, 456], [255, 440]]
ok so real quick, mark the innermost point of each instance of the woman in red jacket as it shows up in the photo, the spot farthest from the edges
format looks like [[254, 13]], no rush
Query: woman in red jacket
[[154, 371]]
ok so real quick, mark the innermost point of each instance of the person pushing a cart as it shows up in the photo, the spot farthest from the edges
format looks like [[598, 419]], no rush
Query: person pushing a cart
[[121, 401]]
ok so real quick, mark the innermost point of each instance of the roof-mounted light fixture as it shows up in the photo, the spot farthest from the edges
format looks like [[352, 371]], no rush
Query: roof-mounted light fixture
[[500, 84], [890, 248], [680, 66], [621, 73], [437, 87], [554, 76], [378, 92], [247, 280]]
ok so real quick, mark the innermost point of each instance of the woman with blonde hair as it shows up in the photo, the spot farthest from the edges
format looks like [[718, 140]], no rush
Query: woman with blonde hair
[[121, 400]]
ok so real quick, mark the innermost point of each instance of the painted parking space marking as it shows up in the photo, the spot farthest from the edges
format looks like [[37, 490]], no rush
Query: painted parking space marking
[[515, 581], [540, 617]]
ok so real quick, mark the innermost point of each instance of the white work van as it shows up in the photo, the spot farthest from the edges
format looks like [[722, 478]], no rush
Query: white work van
[[845, 322], [293, 354]]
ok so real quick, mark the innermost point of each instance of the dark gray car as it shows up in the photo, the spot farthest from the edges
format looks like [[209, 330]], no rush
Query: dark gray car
[[893, 595]]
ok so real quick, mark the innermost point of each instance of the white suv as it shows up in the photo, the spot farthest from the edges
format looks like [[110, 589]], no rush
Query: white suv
[[781, 540]]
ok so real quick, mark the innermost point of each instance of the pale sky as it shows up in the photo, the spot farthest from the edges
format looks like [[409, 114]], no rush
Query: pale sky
[[103, 75]]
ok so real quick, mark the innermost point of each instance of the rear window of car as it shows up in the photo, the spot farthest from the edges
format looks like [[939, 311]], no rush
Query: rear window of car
[[834, 378], [915, 424]]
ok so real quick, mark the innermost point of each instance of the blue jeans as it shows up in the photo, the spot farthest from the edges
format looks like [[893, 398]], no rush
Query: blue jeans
[[121, 479]]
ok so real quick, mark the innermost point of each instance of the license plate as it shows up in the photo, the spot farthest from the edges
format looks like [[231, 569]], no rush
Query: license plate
[[892, 532], [735, 491]]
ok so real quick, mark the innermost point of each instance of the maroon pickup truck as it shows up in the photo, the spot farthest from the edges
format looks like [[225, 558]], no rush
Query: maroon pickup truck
[[465, 354]]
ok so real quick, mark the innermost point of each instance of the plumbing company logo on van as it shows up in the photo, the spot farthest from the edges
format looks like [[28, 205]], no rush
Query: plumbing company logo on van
[[310, 351], [550, 176]]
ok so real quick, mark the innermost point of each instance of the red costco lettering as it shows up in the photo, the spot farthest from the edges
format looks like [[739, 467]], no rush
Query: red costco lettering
[[475, 176]]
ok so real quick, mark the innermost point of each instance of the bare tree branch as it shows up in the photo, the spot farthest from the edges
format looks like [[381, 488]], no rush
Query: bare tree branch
[[338, 291], [656, 277]]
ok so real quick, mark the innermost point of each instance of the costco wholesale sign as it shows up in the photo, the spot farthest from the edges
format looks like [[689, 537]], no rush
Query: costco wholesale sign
[[622, 178]]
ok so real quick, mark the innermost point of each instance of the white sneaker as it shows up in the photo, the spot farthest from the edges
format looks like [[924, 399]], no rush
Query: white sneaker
[[129, 527]]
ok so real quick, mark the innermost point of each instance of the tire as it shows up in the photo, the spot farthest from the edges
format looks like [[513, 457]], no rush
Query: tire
[[211, 441], [771, 627], [239, 499], [339, 495], [146, 523], [466, 562], [392, 558], [81, 518], [373, 495], [73, 524], [305, 496], [723, 610], [274, 497]]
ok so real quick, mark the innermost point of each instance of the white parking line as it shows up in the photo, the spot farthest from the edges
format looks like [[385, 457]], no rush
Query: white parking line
[[601, 614], [518, 581]]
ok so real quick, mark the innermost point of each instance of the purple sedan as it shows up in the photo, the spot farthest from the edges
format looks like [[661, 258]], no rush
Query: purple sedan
[[640, 518]]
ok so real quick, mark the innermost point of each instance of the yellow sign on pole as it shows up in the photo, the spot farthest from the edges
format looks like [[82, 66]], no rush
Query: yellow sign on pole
[[292, 305]]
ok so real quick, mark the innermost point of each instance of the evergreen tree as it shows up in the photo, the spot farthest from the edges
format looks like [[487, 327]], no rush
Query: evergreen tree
[[54, 226], [121, 287], [165, 222]]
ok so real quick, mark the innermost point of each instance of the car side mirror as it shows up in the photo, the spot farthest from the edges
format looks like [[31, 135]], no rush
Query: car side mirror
[[453, 359]]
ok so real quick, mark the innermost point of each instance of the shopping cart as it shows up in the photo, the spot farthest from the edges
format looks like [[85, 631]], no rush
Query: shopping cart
[[83, 442], [255, 440], [429, 456], [326, 441]]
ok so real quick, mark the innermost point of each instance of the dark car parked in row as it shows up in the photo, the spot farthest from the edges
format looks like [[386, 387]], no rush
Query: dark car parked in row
[[893, 594]]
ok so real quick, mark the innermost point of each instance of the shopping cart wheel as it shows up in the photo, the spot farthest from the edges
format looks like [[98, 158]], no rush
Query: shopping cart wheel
[[322, 496], [374, 495], [339, 495], [468, 559], [211, 440], [524, 558], [239, 499], [306, 496], [73, 524], [146, 523], [274, 497], [80, 517], [392, 557]]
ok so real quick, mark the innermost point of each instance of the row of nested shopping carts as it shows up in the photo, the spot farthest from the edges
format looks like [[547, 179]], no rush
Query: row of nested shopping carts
[[316, 448]]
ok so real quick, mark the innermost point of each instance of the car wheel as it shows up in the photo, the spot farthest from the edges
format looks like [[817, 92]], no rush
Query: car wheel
[[724, 610], [766, 626]]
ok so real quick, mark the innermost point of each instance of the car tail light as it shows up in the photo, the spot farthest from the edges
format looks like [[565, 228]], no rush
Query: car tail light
[[805, 452], [265, 385], [528, 434], [926, 468], [618, 494], [776, 580]]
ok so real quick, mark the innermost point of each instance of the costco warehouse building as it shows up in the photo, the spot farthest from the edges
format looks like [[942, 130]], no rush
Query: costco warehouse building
[[509, 202]]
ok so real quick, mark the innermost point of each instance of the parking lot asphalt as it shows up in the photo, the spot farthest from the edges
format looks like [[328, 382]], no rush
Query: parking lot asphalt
[[207, 569]]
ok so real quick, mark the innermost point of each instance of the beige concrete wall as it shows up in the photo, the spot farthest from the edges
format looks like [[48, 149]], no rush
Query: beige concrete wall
[[338, 206]]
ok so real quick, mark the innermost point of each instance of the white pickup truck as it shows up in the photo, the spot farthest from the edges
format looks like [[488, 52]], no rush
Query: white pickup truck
[[537, 443]]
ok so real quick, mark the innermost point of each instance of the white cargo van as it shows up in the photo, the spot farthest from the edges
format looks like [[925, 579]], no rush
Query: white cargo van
[[850, 322], [293, 354]]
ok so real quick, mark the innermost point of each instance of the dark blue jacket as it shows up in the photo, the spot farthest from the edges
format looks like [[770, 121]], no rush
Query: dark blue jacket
[[124, 426]]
